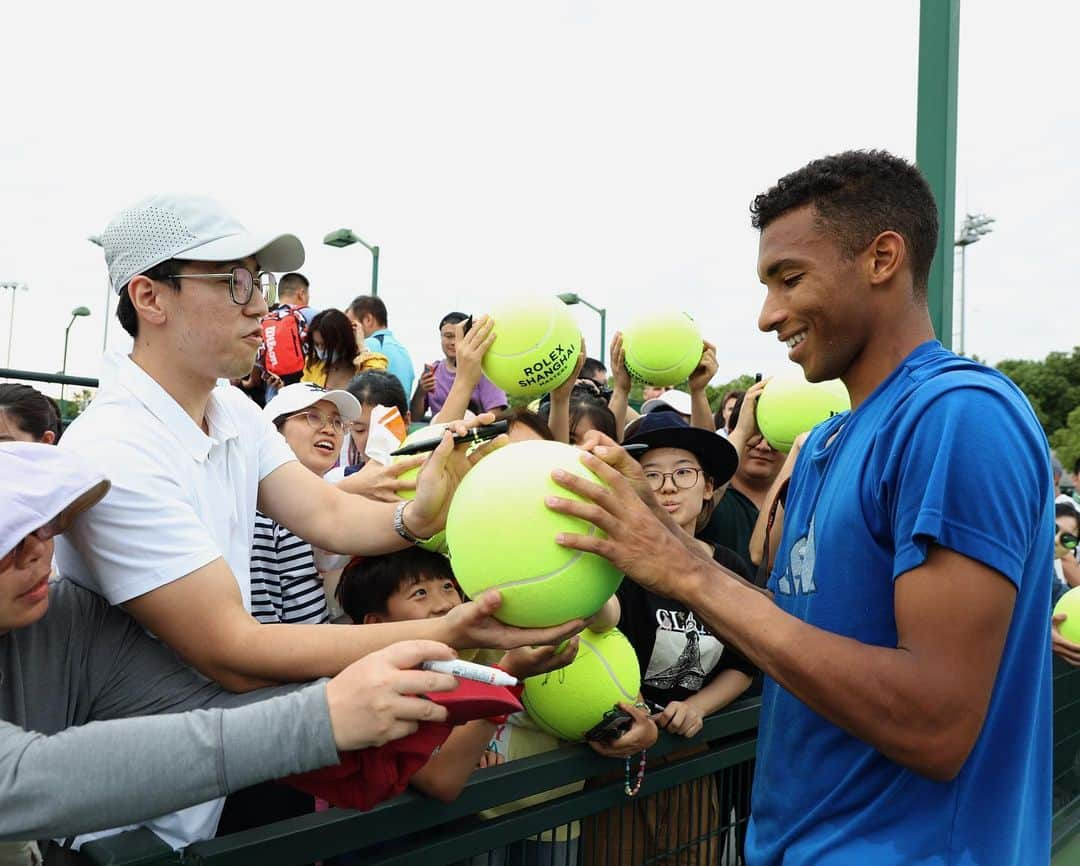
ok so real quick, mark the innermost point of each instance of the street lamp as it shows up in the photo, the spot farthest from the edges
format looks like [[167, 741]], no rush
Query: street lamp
[[346, 238], [972, 230], [96, 241], [574, 298], [77, 313], [14, 286]]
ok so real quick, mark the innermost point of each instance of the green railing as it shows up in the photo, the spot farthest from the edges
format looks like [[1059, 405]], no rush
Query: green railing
[[412, 829]]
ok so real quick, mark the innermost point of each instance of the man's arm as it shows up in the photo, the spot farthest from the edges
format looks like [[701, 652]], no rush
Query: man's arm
[[701, 414], [921, 703]]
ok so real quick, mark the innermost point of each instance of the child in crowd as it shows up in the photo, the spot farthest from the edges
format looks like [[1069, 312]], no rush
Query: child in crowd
[[434, 386], [1066, 566], [686, 672], [372, 388], [285, 586], [417, 584]]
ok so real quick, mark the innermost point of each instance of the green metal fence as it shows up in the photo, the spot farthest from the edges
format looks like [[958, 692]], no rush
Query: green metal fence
[[412, 829]]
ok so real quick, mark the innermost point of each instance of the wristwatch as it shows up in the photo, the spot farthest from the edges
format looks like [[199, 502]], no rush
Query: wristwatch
[[401, 529]]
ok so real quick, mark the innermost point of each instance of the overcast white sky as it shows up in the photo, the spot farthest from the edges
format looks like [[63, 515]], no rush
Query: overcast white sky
[[495, 148]]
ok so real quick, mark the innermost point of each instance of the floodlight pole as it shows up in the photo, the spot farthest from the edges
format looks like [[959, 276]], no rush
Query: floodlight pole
[[347, 237], [96, 240], [15, 286], [973, 229], [77, 313], [571, 298]]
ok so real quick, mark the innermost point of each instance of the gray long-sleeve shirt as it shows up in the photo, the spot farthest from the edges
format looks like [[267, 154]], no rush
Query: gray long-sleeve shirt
[[81, 748]]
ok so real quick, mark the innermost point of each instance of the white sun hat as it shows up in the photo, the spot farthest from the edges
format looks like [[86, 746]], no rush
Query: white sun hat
[[192, 228], [42, 484], [301, 395]]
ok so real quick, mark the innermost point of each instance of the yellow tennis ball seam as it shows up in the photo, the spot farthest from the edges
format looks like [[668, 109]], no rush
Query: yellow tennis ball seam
[[607, 666]]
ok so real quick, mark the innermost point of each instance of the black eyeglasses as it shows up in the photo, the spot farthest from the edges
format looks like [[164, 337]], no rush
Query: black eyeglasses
[[241, 284], [683, 478]]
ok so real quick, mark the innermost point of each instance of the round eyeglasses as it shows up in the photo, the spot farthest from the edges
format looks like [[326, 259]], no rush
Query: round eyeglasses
[[241, 284], [317, 421], [683, 478]]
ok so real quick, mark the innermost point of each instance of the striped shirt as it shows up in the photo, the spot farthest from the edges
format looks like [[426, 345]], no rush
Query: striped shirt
[[285, 586]]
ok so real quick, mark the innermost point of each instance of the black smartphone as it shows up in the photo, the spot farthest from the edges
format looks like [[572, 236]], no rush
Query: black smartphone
[[757, 377], [476, 434], [467, 326], [613, 725]]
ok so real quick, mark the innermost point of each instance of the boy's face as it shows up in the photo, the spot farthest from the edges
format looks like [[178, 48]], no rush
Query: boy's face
[[429, 596]]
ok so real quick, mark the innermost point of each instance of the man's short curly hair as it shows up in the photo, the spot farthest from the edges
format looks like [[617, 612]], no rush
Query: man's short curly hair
[[857, 195]]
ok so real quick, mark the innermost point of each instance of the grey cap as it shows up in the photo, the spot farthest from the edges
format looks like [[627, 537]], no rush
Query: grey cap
[[189, 227]]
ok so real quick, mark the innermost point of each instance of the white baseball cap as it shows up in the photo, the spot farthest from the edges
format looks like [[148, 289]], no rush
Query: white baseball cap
[[192, 228], [677, 400], [41, 484], [301, 395]]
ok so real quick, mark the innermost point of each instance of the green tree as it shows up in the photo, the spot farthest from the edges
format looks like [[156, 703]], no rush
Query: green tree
[[717, 392]]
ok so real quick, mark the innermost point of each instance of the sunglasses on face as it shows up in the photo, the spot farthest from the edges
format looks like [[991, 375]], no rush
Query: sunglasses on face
[[241, 284], [1069, 541]]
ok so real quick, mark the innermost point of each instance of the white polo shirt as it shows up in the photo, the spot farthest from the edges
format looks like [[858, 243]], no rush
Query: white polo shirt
[[180, 498]]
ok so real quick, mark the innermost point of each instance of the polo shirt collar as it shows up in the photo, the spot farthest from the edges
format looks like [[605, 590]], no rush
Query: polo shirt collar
[[121, 372]]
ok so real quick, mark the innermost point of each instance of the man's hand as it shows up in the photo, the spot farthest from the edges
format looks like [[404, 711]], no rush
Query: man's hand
[[636, 541], [706, 368], [641, 735], [473, 625], [1063, 648], [529, 661], [442, 472], [427, 378], [375, 700], [471, 348], [564, 391], [383, 483], [680, 717], [747, 434], [620, 376]]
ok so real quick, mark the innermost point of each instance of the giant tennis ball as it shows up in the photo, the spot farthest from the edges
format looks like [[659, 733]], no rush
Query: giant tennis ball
[[790, 405], [569, 701], [537, 343], [1069, 604], [662, 348], [502, 536]]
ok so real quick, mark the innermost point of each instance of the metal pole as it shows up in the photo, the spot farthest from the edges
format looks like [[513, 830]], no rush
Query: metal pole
[[11, 325], [603, 334], [963, 294], [935, 147], [374, 271], [63, 367]]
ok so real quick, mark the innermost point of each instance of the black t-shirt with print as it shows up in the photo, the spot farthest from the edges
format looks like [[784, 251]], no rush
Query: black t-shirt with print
[[677, 655]]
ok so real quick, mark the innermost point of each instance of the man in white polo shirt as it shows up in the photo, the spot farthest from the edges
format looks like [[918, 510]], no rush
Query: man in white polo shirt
[[189, 461]]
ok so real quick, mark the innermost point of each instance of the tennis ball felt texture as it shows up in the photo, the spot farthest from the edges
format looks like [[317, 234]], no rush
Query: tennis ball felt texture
[[569, 701], [501, 536], [790, 405], [662, 348], [537, 343], [1069, 604]]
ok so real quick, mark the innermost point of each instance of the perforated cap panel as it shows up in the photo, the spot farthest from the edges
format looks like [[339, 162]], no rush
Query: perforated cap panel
[[141, 237]]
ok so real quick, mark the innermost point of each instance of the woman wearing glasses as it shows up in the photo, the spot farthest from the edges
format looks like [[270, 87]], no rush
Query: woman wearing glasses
[[285, 585], [686, 672]]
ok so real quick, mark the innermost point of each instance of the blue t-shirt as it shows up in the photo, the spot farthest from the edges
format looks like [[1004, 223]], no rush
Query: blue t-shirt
[[400, 363], [949, 452]]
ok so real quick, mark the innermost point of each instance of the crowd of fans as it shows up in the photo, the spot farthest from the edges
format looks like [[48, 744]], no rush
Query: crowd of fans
[[245, 584]]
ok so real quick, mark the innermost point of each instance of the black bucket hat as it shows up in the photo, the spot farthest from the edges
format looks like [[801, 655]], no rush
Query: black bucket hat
[[717, 456]]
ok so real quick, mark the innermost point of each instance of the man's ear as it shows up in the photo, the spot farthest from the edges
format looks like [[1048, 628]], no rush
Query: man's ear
[[145, 295], [886, 255]]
